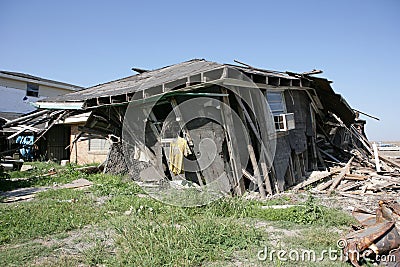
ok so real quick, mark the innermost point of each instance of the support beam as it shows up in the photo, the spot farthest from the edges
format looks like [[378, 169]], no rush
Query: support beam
[[245, 116], [232, 147], [376, 155], [256, 171], [30, 116]]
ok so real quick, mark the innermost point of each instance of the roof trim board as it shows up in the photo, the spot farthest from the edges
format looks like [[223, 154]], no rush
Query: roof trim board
[[37, 80], [59, 105]]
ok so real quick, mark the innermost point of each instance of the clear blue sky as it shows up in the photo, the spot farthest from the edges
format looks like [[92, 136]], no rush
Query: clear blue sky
[[355, 43]]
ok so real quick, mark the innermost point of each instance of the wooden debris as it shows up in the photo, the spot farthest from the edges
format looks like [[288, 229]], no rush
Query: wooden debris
[[322, 187], [23, 194], [315, 176], [329, 156], [26, 167], [377, 164], [339, 178], [357, 177], [249, 176], [389, 161], [79, 183]]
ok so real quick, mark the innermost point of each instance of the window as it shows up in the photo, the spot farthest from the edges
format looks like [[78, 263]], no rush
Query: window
[[276, 102], [283, 121], [32, 89], [97, 144]]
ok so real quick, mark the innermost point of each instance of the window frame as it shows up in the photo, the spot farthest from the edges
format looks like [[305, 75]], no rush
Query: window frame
[[281, 122], [282, 101], [32, 89], [103, 146]]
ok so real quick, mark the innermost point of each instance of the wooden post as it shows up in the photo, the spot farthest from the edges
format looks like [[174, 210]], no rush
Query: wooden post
[[376, 155], [246, 117], [232, 148], [256, 171], [298, 173], [321, 159], [267, 181], [314, 163]]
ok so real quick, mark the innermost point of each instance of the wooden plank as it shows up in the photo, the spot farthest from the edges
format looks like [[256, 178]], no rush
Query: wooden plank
[[356, 177], [20, 127], [249, 176], [389, 161], [246, 117], [321, 160], [51, 125], [351, 186], [315, 176], [79, 183], [329, 155], [30, 116], [376, 156], [353, 132], [344, 171], [324, 186], [314, 163], [289, 177], [232, 148], [256, 171], [15, 134], [267, 181], [298, 172], [18, 198], [350, 196]]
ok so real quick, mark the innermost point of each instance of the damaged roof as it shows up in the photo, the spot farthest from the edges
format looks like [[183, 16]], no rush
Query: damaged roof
[[141, 81], [155, 81]]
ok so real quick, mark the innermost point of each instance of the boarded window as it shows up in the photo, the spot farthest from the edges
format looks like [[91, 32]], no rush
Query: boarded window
[[97, 144], [32, 89], [276, 102]]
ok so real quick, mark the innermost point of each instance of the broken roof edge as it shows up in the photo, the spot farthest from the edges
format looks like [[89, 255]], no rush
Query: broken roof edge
[[145, 72], [35, 79], [59, 105], [171, 73]]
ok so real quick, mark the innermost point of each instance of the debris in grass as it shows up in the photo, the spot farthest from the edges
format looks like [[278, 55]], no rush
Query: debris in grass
[[21, 194]]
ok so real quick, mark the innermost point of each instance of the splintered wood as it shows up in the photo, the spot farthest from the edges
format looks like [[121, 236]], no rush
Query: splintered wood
[[354, 179]]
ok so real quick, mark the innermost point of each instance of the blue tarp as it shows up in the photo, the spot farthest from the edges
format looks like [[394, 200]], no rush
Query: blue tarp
[[26, 143]]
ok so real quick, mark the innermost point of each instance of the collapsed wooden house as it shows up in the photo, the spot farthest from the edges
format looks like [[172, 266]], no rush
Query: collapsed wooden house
[[283, 142]]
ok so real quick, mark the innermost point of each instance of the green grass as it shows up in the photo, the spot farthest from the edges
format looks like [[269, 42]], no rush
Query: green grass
[[188, 243], [54, 211], [25, 253], [35, 178], [145, 232]]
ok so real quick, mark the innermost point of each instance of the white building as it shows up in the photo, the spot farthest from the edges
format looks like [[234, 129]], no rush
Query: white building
[[18, 90]]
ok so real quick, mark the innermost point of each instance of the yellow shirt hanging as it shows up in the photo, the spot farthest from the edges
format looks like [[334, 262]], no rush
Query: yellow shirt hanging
[[178, 149]]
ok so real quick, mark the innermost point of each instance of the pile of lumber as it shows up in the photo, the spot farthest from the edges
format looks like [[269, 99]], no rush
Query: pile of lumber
[[357, 177]]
